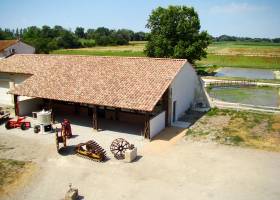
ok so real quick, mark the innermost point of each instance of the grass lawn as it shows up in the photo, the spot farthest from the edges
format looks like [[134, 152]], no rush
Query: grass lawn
[[242, 128]]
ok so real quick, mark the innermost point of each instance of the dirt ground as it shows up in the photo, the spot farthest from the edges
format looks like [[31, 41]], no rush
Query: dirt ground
[[242, 128], [169, 167]]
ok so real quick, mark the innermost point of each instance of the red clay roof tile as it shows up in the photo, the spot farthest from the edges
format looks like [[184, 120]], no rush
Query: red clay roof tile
[[124, 82]]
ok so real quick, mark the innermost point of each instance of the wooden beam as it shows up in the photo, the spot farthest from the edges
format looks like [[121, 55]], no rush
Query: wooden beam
[[95, 117], [16, 106], [51, 105], [147, 126]]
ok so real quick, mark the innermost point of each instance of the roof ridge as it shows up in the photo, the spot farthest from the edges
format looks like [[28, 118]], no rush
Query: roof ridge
[[119, 57]]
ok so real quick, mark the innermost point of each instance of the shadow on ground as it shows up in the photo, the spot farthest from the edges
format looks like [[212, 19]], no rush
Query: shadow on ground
[[192, 116], [168, 134], [67, 151]]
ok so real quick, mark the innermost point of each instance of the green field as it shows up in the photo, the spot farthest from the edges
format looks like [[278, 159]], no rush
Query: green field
[[241, 61], [126, 53], [222, 54], [245, 48], [134, 49]]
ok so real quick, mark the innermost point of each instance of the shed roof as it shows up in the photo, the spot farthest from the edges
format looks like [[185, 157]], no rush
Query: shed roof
[[124, 82], [6, 43]]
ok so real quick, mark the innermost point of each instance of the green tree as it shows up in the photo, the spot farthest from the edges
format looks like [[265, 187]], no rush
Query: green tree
[[80, 32], [90, 34], [175, 33]]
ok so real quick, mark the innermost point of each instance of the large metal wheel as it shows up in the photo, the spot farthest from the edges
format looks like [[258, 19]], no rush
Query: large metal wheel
[[118, 148]]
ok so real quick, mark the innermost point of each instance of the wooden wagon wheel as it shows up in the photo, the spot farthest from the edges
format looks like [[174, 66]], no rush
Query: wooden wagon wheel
[[118, 148]]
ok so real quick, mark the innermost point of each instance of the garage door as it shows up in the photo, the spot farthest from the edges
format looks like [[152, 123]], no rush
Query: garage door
[[4, 97]]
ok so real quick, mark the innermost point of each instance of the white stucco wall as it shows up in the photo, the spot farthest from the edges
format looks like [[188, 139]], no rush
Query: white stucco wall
[[20, 48], [183, 90], [7, 81], [157, 124]]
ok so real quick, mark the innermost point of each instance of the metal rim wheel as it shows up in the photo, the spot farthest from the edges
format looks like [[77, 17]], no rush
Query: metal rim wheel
[[118, 148]]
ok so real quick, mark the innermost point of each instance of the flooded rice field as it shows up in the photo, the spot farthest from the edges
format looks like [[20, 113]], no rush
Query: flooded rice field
[[258, 96], [246, 73]]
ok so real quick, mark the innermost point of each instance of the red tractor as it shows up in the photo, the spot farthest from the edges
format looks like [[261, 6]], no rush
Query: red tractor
[[18, 122]]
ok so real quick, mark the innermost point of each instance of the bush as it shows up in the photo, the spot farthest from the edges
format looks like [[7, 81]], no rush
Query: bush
[[235, 139]]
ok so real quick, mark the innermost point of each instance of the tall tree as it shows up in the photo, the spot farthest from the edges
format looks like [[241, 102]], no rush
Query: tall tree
[[80, 32], [175, 33]]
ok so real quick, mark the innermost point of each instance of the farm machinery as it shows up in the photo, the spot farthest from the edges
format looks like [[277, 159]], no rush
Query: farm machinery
[[119, 146], [18, 122], [3, 115], [91, 150], [60, 137], [64, 134]]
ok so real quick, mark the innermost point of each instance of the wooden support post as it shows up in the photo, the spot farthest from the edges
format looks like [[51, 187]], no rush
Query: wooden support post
[[90, 111], [147, 126], [16, 106], [51, 103], [95, 117]]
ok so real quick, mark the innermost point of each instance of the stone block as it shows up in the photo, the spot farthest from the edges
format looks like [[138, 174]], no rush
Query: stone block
[[130, 155]]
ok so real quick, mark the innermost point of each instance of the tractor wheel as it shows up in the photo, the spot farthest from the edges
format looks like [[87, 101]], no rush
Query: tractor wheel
[[8, 125], [23, 126]]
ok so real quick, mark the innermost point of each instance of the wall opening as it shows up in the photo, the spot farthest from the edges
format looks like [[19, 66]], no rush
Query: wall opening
[[174, 111]]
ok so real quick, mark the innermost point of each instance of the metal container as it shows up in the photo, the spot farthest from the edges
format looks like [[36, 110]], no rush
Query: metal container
[[44, 117]]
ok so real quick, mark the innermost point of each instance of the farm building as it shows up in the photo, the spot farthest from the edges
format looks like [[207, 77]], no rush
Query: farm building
[[10, 47], [152, 92]]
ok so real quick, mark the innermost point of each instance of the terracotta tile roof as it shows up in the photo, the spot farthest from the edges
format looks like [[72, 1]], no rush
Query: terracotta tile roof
[[124, 82], [6, 43]]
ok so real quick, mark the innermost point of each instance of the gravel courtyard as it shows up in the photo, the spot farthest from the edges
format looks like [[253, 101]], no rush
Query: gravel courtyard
[[168, 168]]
